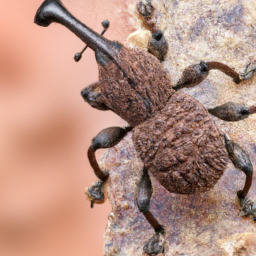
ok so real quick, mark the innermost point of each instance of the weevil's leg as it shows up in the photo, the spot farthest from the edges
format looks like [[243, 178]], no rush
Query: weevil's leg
[[93, 96], [95, 193], [253, 213], [107, 138], [195, 74], [246, 75], [241, 160], [155, 244], [192, 75], [248, 208], [158, 45], [146, 10], [231, 111]]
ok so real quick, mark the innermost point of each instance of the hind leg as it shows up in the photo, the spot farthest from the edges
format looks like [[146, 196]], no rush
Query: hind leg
[[241, 160], [155, 244]]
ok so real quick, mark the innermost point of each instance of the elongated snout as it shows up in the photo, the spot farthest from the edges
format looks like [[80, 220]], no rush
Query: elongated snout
[[54, 11]]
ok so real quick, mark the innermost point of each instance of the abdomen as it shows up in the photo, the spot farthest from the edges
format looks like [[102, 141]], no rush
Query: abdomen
[[181, 146]]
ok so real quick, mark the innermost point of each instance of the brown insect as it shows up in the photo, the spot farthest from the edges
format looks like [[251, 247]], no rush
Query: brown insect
[[173, 133]]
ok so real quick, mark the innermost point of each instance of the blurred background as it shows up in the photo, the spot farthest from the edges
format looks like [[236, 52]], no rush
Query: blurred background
[[46, 129]]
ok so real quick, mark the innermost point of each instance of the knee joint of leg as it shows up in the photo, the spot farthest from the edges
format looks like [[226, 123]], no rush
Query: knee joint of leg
[[248, 169], [108, 137], [143, 205]]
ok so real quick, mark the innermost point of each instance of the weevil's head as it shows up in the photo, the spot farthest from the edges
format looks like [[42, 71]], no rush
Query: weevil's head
[[54, 11], [133, 82]]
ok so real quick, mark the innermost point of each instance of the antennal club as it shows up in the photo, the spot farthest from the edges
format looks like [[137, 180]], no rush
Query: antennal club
[[105, 25]]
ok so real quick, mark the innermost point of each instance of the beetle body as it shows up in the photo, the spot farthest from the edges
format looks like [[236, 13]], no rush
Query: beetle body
[[174, 134], [181, 146]]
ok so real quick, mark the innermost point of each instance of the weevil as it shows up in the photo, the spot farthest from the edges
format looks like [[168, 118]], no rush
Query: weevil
[[173, 134]]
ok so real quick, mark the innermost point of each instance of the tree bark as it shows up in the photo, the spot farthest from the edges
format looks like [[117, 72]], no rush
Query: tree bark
[[200, 224]]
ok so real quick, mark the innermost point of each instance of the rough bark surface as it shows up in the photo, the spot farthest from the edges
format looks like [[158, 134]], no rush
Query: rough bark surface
[[207, 223], [198, 224]]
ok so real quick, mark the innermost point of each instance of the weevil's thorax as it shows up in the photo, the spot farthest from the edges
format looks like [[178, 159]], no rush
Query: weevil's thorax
[[135, 85]]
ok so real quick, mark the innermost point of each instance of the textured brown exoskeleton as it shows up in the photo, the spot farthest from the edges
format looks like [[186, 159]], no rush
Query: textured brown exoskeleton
[[173, 133]]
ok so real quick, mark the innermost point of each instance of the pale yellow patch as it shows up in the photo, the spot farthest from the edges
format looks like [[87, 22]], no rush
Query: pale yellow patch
[[139, 38]]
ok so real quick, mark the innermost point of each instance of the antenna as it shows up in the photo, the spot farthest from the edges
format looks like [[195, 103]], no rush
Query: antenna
[[78, 55]]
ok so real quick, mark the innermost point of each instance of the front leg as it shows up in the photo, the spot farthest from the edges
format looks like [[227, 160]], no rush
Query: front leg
[[157, 45], [107, 138], [93, 96], [195, 74]]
